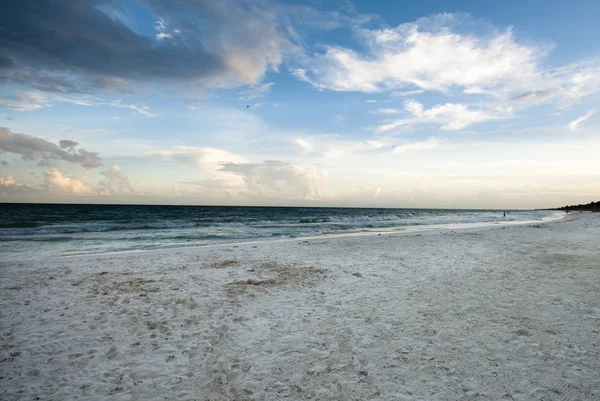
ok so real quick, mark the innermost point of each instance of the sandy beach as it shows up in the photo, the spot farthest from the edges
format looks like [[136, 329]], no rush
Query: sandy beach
[[503, 313]]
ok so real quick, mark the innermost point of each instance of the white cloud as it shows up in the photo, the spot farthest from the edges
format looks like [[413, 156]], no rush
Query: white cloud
[[575, 123], [72, 130], [138, 108], [387, 111], [12, 190], [331, 146], [412, 54], [178, 191], [7, 181], [115, 183], [257, 91], [582, 80], [334, 147], [441, 53], [26, 101], [163, 35], [474, 90], [35, 100], [429, 144], [56, 181], [407, 93], [203, 158], [282, 180], [451, 117]]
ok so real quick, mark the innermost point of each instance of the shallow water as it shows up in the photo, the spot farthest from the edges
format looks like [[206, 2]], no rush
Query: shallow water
[[45, 230]]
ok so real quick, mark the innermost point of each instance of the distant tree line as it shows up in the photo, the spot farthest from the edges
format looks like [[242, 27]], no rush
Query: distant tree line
[[592, 206]]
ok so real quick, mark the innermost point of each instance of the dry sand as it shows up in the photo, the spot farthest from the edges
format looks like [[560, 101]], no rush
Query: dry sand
[[488, 314]]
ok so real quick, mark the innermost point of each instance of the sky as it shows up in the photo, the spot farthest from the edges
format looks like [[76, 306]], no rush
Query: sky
[[432, 104]]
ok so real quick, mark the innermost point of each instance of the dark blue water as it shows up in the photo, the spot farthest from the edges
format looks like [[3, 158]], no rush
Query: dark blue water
[[40, 230]]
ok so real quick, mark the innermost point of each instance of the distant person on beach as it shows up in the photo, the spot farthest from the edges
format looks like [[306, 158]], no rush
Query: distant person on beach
[[504, 214]]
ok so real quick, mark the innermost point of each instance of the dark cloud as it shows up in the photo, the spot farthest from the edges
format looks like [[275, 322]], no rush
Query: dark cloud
[[537, 96], [4, 163], [66, 144], [34, 148], [77, 46]]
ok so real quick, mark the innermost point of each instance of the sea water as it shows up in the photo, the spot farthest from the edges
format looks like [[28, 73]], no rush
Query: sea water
[[49, 230]]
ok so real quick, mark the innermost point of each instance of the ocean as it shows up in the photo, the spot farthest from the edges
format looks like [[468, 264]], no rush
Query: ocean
[[50, 230]]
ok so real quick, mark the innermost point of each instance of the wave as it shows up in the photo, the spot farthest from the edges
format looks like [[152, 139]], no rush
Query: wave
[[278, 223]]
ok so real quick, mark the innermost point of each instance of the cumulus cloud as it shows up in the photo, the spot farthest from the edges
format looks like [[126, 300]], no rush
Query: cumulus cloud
[[56, 181], [7, 181], [34, 148], [450, 116], [575, 123], [282, 179], [115, 182], [203, 158], [444, 52], [427, 55], [12, 190], [88, 44]]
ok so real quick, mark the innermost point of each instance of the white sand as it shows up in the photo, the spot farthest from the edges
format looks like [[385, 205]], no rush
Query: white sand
[[486, 314]]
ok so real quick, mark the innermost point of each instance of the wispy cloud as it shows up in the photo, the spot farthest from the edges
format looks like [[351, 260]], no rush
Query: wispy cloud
[[34, 100], [141, 109], [203, 158], [431, 143], [573, 125], [450, 117], [387, 111], [334, 146], [407, 93], [257, 91], [26, 101]]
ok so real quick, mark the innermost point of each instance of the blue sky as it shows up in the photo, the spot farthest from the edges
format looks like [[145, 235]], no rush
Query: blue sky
[[324, 103]]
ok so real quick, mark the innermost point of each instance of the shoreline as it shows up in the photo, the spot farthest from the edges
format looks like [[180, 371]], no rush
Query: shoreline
[[494, 314], [409, 230]]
